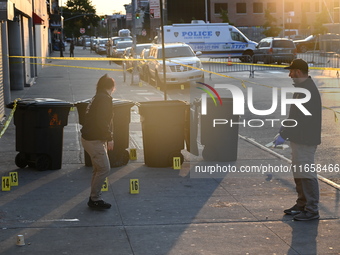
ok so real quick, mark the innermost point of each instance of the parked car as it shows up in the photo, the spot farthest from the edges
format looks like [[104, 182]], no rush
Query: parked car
[[309, 43], [140, 47], [179, 59], [113, 42], [142, 63], [120, 47], [94, 42], [86, 42], [130, 52], [325, 42], [271, 50], [101, 46]]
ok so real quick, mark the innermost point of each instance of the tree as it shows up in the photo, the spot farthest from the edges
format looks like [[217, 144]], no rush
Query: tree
[[79, 14], [271, 29], [224, 16], [321, 19]]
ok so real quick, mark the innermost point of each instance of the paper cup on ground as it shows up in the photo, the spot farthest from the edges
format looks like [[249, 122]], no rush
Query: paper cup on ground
[[20, 240]]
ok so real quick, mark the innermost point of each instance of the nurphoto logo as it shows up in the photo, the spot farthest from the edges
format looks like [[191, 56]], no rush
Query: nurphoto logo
[[239, 103]]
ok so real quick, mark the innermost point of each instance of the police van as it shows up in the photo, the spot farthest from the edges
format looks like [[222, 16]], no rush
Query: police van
[[212, 39]]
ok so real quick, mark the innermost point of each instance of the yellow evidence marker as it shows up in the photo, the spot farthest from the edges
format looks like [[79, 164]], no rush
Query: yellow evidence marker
[[134, 186], [176, 163], [6, 183], [105, 186], [133, 154], [14, 178]]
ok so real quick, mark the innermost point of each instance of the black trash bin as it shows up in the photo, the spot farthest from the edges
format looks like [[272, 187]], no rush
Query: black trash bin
[[220, 142], [163, 128], [119, 156], [39, 132]]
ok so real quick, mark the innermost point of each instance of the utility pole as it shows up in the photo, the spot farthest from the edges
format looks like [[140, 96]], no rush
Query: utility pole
[[134, 74], [163, 51]]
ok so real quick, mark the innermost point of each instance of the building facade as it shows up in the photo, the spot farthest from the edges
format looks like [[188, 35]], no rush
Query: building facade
[[24, 34], [298, 14]]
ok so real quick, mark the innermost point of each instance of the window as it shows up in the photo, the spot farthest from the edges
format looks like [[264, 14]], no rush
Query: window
[[235, 36], [271, 7], [257, 7], [283, 44], [263, 44], [305, 6], [220, 6], [289, 6], [175, 52], [241, 8]]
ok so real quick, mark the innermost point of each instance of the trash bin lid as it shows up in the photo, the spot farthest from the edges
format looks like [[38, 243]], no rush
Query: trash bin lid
[[120, 102], [43, 102], [82, 102], [170, 103]]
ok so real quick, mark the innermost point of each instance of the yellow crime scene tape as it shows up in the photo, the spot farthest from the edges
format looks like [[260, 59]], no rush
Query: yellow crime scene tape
[[243, 82]]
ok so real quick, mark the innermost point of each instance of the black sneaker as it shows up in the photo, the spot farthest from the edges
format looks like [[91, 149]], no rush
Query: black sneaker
[[305, 215], [101, 204], [294, 210]]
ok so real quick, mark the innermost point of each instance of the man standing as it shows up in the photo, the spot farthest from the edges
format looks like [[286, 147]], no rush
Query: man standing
[[304, 138]]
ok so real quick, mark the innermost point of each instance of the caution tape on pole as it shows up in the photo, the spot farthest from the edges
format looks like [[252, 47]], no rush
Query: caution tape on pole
[[8, 121], [243, 82]]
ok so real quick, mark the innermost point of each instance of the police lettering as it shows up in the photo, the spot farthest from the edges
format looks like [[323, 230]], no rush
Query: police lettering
[[197, 33]]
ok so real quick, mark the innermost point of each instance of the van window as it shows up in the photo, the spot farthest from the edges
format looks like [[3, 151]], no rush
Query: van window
[[283, 44], [235, 36]]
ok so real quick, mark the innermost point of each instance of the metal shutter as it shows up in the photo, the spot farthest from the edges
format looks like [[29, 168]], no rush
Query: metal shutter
[[2, 99]]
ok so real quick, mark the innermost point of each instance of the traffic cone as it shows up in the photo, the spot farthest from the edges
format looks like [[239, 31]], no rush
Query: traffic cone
[[229, 61]]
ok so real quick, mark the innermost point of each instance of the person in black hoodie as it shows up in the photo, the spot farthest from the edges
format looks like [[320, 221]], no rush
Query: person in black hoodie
[[97, 137], [304, 138]]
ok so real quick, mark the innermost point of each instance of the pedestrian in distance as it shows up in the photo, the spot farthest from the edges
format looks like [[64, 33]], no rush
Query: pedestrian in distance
[[61, 48], [97, 138], [72, 49], [304, 138]]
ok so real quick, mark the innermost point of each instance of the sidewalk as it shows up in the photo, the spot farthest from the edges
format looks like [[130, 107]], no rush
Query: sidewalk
[[173, 213]]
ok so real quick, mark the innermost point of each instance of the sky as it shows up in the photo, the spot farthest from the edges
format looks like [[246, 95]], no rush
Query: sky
[[108, 6]]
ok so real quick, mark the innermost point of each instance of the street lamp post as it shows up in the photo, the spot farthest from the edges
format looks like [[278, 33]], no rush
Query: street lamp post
[[206, 11], [134, 73]]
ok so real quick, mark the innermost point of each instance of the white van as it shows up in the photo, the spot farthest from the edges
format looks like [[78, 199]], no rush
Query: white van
[[212, 39]]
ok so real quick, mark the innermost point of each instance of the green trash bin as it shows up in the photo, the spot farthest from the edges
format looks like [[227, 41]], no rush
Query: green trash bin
[[220, 142], [39, 129], [164, 131], [119, 156]]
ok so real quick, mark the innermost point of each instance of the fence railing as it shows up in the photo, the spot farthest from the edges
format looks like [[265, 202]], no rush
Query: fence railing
[[262, 63]]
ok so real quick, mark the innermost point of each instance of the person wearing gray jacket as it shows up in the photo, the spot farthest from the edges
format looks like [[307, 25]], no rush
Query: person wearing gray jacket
[[304, 138]]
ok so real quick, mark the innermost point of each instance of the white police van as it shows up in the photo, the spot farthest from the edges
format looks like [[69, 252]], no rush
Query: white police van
[[212, 39]]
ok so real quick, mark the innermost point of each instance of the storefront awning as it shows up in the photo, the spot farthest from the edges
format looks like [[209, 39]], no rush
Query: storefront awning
[[37, 20]]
